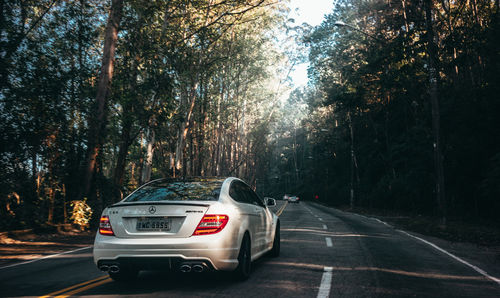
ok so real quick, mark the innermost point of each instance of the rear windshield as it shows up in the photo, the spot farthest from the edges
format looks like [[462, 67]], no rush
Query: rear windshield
[[177, 191]]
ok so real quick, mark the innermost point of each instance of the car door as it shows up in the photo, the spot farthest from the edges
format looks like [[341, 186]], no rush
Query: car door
[[261, 220], [269, 233], [238, 191]]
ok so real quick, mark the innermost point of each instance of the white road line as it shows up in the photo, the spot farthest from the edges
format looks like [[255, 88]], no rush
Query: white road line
[[325, 227], [320, 219], [382, 222], [46, 257], [328, 241], [326, 283], [477, 269]]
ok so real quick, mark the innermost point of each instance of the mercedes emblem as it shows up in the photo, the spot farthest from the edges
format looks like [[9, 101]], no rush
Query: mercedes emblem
[[152, 209]]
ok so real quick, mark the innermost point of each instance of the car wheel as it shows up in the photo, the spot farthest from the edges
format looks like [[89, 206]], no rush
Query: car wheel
[[244, 260], [124, 275], [275, 251]]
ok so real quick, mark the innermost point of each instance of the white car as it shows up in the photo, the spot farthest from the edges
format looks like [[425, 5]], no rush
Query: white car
[[293, 199], [190, 225]]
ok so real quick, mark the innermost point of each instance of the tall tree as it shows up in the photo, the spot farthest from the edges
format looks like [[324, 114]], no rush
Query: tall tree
[[434, 98], [97, 121]]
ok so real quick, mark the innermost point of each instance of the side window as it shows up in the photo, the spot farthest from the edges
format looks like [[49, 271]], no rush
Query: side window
[[258, 200], [233, 192], [238, 193], [253, 197]]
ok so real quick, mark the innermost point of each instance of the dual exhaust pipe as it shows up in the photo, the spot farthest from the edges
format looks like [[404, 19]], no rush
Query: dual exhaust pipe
[[184, 268], [110, 268], [198, 268]]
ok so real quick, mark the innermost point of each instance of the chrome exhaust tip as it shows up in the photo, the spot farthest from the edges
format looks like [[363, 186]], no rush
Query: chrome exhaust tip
[[185, 268], [104, 268], [114, 269], [198, 268]]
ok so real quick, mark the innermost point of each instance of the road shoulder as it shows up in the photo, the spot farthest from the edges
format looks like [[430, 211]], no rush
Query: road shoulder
[[484, 257], [31, 246]]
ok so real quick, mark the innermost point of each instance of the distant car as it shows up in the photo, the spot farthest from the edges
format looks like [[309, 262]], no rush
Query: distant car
[[293, 199], [190, 225]]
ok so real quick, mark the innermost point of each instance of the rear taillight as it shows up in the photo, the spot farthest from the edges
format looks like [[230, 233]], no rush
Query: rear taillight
[[211, 224], [105, 226]]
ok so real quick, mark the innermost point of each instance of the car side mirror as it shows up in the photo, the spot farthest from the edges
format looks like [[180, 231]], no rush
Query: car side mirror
[[270, 202]]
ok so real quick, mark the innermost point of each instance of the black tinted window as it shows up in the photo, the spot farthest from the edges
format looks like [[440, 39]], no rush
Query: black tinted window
[[254, 197], [238, 192], [207, 190], [235, 193]]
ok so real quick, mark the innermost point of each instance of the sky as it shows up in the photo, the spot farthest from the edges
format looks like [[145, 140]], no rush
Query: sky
[[311, 12]]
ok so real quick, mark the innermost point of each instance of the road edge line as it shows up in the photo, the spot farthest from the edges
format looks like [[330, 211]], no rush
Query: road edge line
[[43, 258], [477, 269]]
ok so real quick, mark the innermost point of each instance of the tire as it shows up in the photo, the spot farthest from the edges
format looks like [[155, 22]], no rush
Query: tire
[[275, 251], [124, 275], [242, 272]]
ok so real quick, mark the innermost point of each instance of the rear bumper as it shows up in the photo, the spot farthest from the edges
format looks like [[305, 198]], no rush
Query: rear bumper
[[155, 263], [217, 253]]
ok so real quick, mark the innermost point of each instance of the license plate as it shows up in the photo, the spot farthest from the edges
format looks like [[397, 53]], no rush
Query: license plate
[[156, 224]]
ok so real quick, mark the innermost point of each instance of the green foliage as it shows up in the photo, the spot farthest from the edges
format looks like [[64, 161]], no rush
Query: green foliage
[[196, 91], [374, 72], [218, 56]]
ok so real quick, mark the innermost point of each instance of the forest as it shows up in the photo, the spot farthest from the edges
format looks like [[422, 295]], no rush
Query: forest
[[99, 97]]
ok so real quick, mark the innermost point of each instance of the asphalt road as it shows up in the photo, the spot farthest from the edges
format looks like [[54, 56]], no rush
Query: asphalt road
[[324, 253]]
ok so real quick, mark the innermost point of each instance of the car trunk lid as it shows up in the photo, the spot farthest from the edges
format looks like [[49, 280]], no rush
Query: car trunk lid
[[156, 219]]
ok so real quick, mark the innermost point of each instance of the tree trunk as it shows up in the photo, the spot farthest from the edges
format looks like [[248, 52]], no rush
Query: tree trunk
[[35, 173], [132, 174], [126, 135], [405, 19], [65, 209], [184, 129], [51, 195], [119, 172], [353, 161], [98, 119], [433, 92], [148, 163]]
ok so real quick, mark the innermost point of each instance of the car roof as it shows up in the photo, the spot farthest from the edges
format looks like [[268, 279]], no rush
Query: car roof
[[188, 179]]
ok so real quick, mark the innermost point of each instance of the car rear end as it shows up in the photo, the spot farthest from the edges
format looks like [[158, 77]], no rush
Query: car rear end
[[165, 227]]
